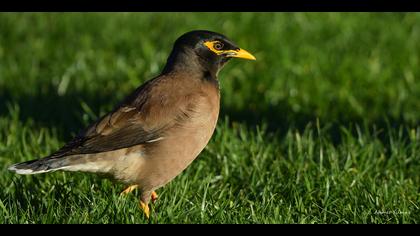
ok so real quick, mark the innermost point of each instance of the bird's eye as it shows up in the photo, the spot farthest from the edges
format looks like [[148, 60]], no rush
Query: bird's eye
[[218, 46]]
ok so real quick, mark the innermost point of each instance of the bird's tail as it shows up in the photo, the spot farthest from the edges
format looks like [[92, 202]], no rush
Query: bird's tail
[[39, 166]]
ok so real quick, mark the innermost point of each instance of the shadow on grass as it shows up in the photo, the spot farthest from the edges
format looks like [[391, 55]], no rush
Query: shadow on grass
[[66, 114], [281, 118]]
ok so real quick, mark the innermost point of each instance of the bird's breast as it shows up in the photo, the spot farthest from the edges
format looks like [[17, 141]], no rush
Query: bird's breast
[[182, 143]]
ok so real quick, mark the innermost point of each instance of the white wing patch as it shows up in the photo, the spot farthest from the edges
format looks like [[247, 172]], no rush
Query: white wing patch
[[155, 140]]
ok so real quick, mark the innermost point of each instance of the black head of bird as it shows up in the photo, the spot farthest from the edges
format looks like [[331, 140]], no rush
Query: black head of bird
[[204, 51]]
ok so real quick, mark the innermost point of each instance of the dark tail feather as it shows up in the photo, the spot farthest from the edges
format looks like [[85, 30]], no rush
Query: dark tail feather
[[38, 166]]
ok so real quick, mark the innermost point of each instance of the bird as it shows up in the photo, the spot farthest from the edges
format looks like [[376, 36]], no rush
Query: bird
[[157, 131]]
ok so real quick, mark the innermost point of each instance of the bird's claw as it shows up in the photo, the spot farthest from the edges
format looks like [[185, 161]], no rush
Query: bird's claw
[[129, 189], [145, 209]]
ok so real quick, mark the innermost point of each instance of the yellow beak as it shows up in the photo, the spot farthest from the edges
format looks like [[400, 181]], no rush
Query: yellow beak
[[241, 53]]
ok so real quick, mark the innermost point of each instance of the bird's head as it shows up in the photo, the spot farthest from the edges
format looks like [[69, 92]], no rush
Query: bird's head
[[204, 50]]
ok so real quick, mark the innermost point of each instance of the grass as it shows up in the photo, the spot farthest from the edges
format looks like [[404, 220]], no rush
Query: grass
[[322, 128]]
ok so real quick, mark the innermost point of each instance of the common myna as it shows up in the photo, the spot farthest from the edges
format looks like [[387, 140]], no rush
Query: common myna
[[158, 130]]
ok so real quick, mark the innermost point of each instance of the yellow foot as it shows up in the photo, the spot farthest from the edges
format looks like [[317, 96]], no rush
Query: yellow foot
[[154, 196], [129, 189], [145, 209]]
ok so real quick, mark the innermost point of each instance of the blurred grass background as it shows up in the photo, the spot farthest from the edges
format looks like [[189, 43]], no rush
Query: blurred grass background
[[336, 88]]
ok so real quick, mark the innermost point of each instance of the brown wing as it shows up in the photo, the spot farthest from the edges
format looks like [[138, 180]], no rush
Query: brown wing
[[106, 135], [142, 117]]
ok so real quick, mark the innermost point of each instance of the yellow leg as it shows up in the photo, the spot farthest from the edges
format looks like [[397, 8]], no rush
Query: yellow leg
[[154, 196], [129, 189], [145, 208]]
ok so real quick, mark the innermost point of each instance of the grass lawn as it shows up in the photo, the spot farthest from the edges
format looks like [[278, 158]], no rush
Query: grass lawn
[[322, 128]]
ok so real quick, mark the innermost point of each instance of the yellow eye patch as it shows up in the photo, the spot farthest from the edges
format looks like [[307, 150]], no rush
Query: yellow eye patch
[[214, 45], [239, 53]]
